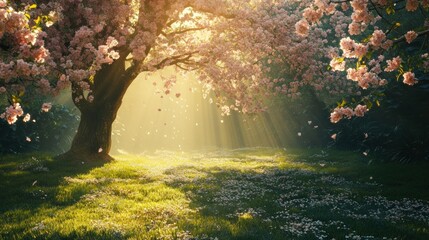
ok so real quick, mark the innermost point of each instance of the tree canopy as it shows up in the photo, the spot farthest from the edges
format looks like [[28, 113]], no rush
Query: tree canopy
[[243, 51]]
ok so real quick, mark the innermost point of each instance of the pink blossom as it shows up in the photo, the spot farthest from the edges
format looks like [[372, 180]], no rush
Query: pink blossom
[[26, 118], [378, 36], [360, 50], [347, 45], [359, 5], [337, 114], [354, 28], [409, 78], [312, 15], [360, 110], [393, 64], [337, 65], [412, 5], [114, 55], [302, 27], [46, 107], [410, 36], [347, 112], [12, 113]]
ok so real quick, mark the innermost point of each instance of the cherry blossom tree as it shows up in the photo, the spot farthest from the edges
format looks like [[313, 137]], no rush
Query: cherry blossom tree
[[244, 51], [380, 41], [97, 48]]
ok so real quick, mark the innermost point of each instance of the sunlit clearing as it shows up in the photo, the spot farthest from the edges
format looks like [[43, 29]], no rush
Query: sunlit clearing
[[151, 120]]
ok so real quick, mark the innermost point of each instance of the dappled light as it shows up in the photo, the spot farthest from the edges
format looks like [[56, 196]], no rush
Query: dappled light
[[243, 193], [214, 119]]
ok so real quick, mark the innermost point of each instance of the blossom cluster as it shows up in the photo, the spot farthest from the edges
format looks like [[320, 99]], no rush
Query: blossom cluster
[[346, 112], [366, 42]]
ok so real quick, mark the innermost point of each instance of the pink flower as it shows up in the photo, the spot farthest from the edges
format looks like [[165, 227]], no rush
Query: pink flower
[[393, 64], [26, 118], [360, 110], [46, 107], [354, 28], [377, 38], [12, 113], [334, 136], [409, 78], [359, 5], [410, 36], [302, 27], [360, 50], [337, 65], [336, 115], [347, 112], [312, 15], [412, 5], [347, 44]]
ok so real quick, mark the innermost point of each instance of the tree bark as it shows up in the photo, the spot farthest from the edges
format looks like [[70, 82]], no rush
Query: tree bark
[[93, 138], [92, 141]]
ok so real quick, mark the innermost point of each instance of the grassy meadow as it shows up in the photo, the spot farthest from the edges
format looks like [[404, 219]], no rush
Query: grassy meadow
[[256, 193]]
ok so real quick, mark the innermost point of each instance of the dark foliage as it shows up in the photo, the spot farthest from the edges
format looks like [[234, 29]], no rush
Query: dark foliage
[[398, 130], [46, 131]]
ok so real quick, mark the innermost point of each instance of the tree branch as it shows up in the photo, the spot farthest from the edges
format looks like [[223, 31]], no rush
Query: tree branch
[[419, 34], [77, 96], [174, 60], [184, 31]]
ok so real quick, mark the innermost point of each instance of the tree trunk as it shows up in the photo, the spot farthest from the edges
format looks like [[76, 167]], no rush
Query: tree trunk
[[93, 138], [92, 141]]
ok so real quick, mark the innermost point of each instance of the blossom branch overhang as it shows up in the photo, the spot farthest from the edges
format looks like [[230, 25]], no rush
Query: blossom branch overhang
[[183, 31], [403, 38], [176, 59]]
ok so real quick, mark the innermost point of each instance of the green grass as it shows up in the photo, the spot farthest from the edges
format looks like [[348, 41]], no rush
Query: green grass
[[238, 194]]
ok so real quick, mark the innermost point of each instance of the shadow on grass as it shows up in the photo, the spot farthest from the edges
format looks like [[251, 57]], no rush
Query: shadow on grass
[[32, 179], [294, 203], [239, 196], [36, 186]]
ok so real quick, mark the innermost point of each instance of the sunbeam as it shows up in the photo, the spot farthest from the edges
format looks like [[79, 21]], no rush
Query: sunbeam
[[149, 119]]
